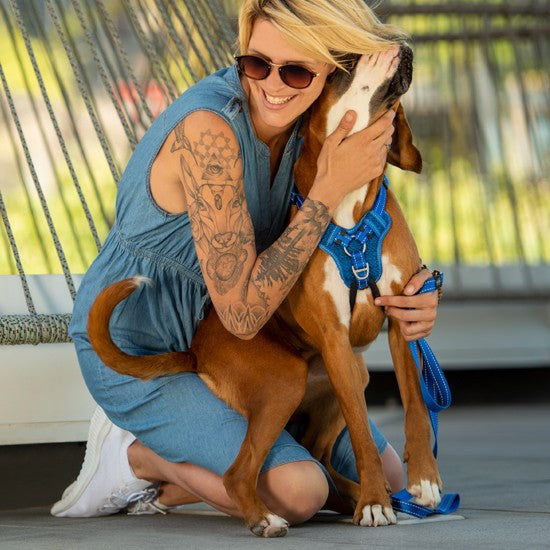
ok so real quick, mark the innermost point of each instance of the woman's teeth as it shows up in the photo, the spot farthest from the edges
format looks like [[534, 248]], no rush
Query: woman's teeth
[[277, 100]]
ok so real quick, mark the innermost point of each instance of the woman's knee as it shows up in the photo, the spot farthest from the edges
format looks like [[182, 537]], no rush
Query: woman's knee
[[393, 468], [295, 491]]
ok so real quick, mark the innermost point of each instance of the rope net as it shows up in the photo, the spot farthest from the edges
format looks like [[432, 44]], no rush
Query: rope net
[[81, 81]]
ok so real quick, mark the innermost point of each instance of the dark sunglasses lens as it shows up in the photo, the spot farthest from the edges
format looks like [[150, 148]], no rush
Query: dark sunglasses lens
[[254, 67], [295, 76]]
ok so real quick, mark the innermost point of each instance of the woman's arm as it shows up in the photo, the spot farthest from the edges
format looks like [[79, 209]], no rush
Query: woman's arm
[[246, 289]]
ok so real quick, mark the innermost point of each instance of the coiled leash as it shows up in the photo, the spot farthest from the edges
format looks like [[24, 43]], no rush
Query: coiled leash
[[437, 397], [357, 253]]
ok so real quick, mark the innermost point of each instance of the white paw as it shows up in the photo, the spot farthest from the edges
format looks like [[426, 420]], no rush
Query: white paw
[[426, 494], [375, 515], [271, 526]]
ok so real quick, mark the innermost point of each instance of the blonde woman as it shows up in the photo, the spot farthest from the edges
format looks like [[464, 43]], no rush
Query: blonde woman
[[202, 212]]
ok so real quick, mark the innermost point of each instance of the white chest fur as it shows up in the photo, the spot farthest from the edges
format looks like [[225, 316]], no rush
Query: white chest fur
[[371, 72]]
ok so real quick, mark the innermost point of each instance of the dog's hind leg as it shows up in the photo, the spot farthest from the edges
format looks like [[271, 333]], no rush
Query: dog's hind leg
[[423, 479], [275, 386]]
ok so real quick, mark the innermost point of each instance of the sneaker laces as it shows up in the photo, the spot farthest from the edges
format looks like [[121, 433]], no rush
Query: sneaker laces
[[122, 499]]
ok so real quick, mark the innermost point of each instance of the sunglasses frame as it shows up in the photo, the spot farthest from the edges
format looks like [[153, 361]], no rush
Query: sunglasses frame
[[280, 67]]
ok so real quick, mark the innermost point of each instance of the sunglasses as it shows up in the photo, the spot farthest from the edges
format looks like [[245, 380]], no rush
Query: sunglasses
[[258, 68]]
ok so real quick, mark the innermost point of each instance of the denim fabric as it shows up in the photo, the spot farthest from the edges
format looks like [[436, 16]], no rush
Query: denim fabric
[[177, 416], [183, 421]]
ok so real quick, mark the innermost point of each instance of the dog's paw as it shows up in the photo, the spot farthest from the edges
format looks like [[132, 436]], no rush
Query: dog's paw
[[426, 494], [270, 526], [375, 515]]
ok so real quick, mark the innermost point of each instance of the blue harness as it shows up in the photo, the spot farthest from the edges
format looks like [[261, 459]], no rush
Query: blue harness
[[358, 254], [358, 251]]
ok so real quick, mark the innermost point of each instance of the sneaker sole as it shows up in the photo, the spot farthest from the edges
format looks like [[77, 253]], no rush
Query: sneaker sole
[[100, 426]]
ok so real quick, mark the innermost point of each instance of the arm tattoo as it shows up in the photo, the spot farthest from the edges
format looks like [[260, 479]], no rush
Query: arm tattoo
[[278, 268], [285, 260], [222, 238], [213, 181]]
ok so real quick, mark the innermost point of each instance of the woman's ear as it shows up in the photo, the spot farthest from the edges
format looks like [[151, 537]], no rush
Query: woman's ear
[[403, 153]]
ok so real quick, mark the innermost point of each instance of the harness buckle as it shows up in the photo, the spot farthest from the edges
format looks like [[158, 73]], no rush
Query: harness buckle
[[362, 273]]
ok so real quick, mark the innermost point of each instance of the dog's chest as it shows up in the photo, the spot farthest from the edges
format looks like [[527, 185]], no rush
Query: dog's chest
[[339, 292]]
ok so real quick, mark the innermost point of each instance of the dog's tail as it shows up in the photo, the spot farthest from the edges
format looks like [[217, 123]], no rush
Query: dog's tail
[[144, 367]]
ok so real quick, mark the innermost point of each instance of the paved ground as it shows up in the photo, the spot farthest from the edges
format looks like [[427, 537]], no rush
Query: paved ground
[[497, 458]]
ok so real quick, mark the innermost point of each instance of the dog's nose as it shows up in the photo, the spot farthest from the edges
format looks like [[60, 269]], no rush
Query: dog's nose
[[403, 76]]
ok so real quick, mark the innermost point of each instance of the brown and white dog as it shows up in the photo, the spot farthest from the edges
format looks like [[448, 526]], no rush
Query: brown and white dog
[[316, 320]]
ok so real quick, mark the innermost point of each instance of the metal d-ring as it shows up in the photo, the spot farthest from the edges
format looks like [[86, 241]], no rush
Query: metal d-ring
[[359, 272], [362, 251]]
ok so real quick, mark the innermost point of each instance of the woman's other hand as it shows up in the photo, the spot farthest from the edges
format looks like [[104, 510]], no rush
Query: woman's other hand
[[415, 313]]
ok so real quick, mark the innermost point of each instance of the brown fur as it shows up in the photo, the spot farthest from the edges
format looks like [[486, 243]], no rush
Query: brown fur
[[252, 375]]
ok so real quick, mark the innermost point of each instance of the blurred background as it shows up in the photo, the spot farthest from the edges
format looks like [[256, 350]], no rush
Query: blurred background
[[81, 81]]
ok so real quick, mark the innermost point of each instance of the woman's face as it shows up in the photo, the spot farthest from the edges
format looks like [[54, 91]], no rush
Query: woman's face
[[274, 106]]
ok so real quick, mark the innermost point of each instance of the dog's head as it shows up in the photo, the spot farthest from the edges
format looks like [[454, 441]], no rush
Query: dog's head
[[374, 84]]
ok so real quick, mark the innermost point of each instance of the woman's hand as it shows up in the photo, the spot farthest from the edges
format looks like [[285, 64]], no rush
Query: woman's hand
[[346, 163], [415, 313]]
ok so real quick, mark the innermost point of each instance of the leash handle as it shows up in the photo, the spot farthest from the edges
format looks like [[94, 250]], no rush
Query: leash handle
[[403, 502]]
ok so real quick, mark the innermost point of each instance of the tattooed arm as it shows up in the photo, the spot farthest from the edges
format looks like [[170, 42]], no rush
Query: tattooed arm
[[245, 289]]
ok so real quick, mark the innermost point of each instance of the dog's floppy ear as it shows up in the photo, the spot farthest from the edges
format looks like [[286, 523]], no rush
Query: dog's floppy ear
[[403, 153]]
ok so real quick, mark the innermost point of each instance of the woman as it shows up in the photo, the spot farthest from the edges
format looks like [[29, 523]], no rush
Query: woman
[[201, 210]]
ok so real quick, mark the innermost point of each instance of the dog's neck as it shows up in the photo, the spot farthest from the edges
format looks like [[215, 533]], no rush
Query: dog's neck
[[355, 204]]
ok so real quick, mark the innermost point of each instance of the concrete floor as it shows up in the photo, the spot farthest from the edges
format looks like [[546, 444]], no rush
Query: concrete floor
[[496, 457]]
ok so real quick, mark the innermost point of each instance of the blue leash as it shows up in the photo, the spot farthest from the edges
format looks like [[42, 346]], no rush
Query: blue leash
[[437, 396]]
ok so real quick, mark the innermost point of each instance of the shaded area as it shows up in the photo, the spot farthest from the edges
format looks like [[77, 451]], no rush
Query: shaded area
[[495, 457]]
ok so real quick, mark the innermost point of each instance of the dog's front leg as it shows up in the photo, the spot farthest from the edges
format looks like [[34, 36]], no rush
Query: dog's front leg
[[423, 479], [373, 507]]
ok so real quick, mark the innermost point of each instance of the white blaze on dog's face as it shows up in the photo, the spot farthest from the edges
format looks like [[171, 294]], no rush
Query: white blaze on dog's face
[[372, 72], [374, 85], [371, 88]]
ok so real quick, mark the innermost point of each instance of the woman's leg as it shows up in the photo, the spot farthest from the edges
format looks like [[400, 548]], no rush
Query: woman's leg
[[188, 438], [393, 468], [343, 461], [204, 483], [294, 491]]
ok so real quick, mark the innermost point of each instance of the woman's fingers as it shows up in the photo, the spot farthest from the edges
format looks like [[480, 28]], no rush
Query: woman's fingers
[[343, 128], [427, 300], [412, 315], [415, 331]]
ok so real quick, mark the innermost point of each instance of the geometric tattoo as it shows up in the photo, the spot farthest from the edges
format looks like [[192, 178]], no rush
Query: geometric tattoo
[[222, 229]]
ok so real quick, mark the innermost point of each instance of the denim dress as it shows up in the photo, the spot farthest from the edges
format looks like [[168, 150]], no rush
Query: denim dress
[[176, 415]]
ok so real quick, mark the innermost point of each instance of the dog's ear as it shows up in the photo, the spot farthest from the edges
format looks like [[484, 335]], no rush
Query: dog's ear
[[403, 153]]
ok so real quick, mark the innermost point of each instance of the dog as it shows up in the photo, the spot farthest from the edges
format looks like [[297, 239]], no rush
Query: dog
[[310, 350]]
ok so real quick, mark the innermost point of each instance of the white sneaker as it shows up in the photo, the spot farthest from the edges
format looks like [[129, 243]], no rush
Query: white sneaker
[[106, 483], [148, 505]]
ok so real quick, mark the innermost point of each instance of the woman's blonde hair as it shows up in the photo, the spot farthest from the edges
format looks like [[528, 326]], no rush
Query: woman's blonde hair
[[327, 30]]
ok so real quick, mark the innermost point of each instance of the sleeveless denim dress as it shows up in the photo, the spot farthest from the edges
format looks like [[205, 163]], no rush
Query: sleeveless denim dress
[[176, 415]]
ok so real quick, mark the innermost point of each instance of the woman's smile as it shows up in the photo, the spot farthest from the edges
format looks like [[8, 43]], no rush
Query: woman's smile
[[275, 106], [276, 101]]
